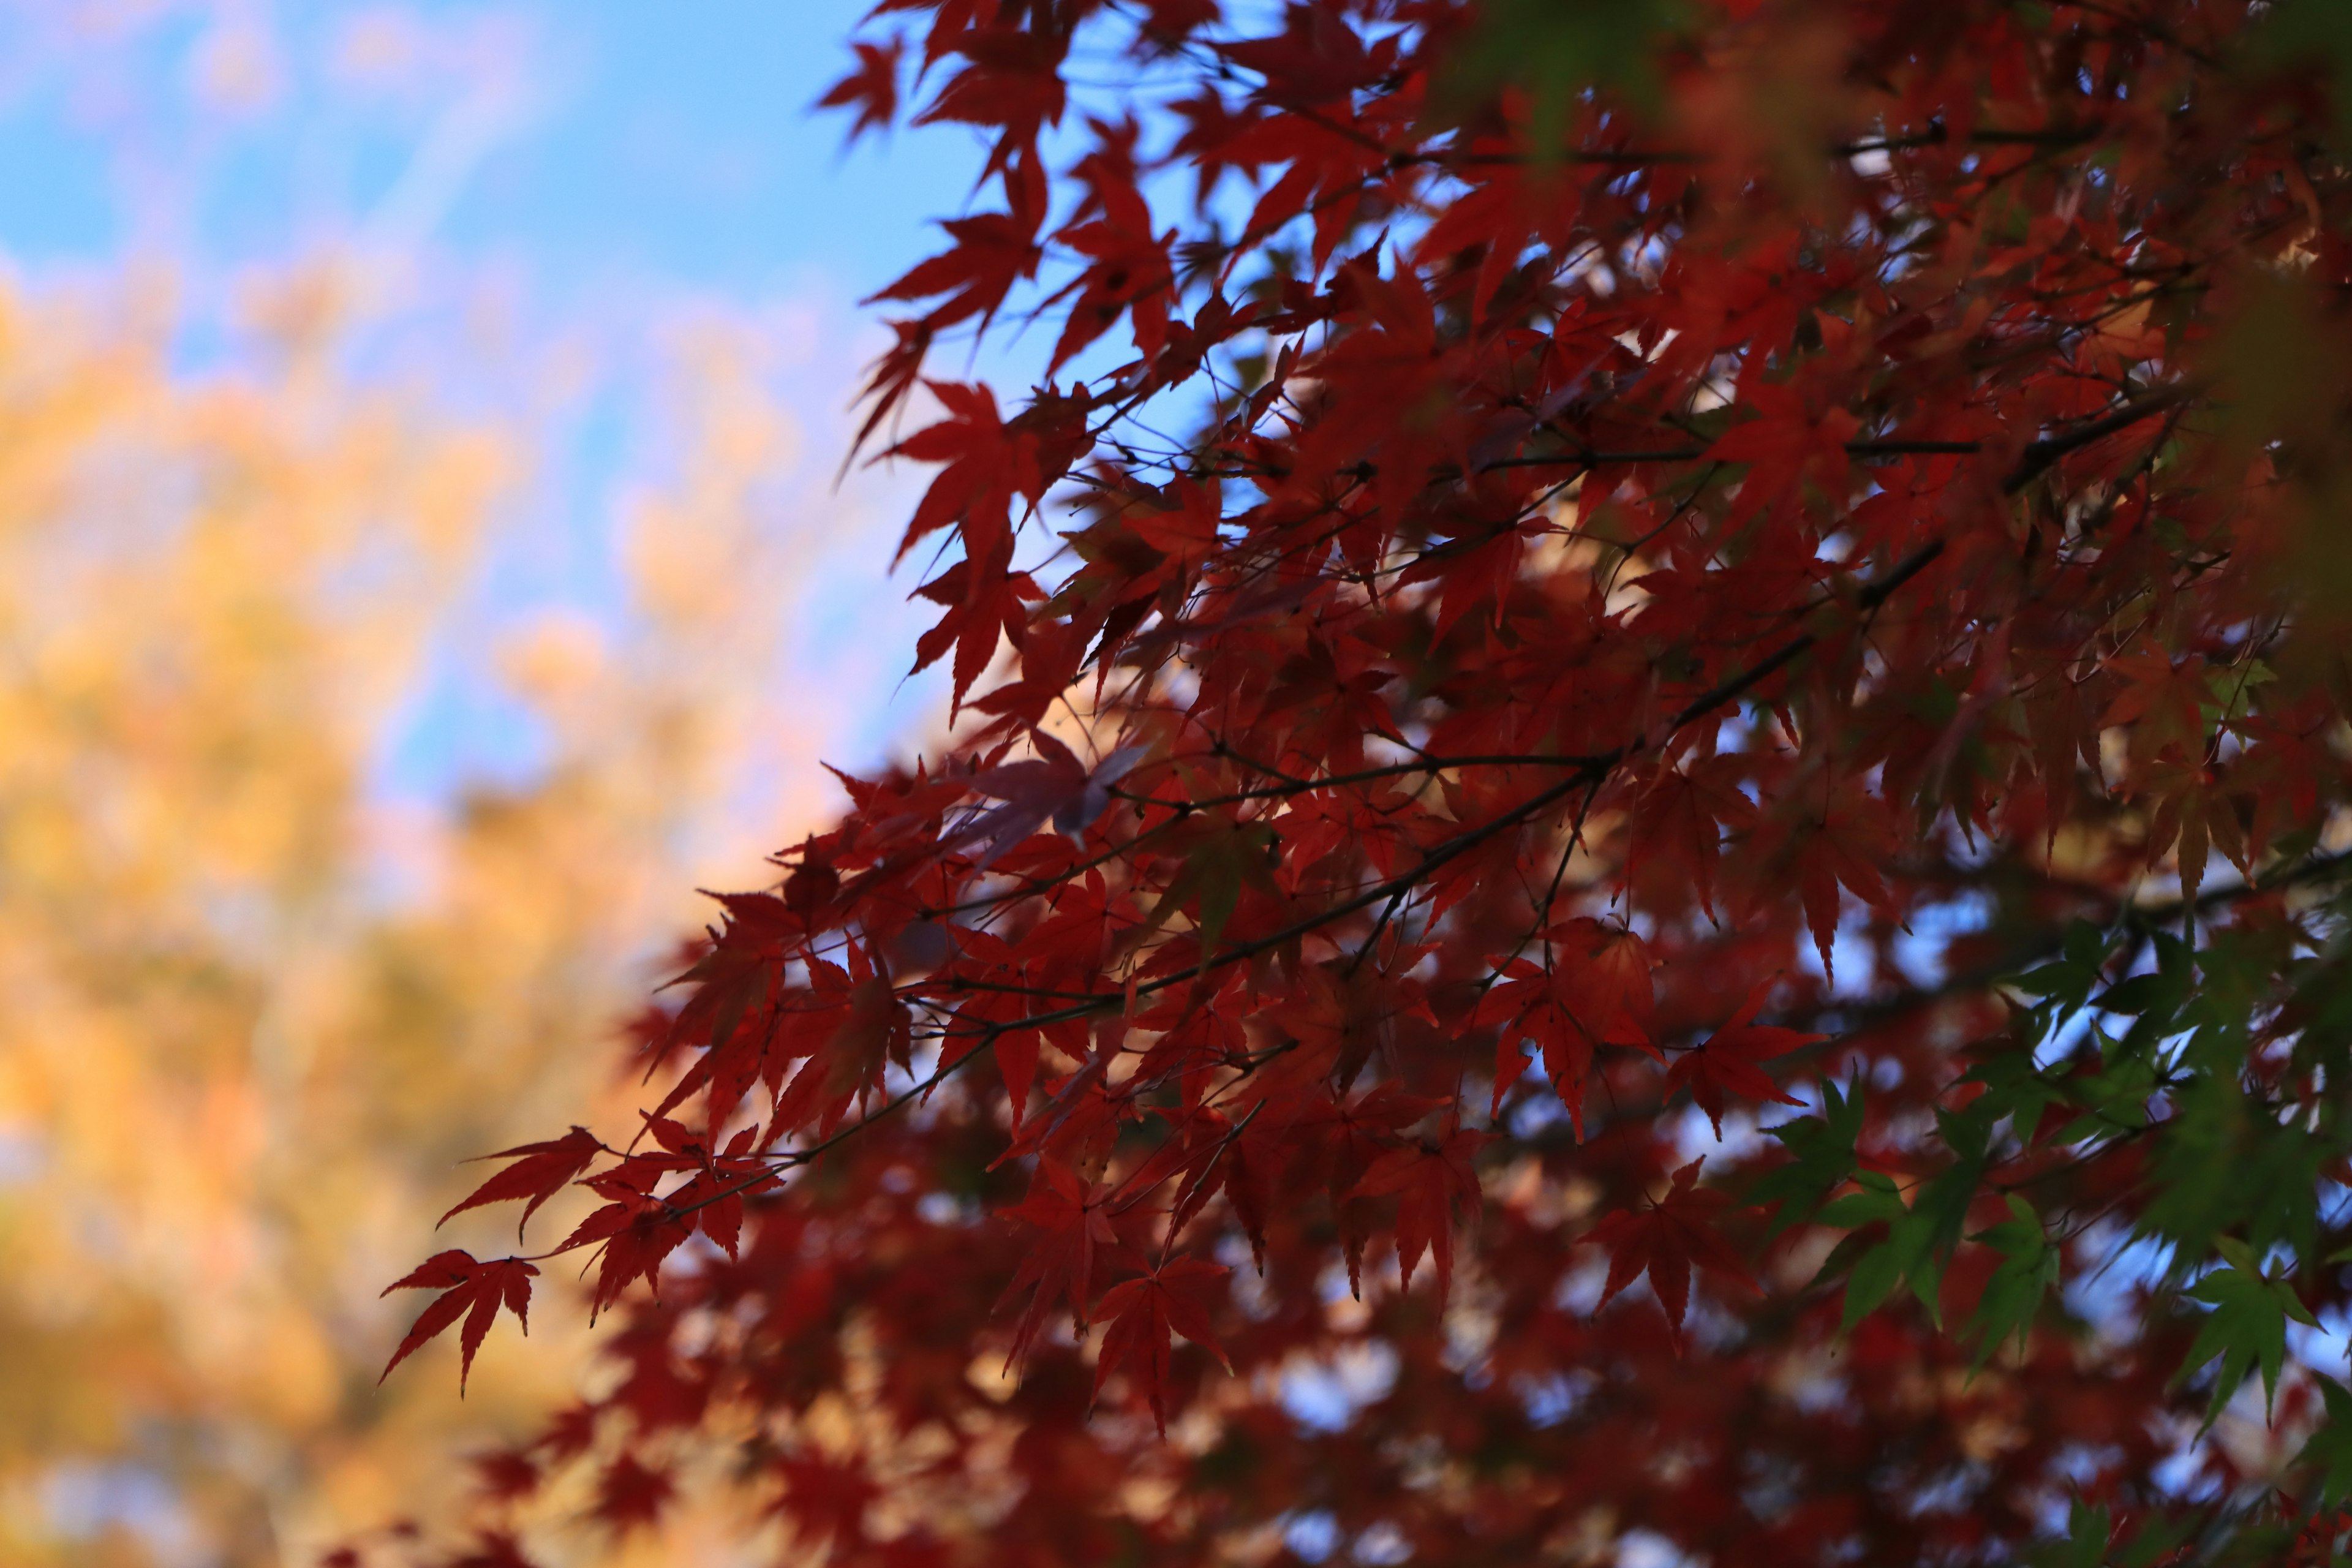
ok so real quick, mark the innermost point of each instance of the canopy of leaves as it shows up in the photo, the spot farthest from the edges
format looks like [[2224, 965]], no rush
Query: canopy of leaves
[[1595, 583]]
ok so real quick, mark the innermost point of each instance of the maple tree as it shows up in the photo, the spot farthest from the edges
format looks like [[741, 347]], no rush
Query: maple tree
[[1602, 697]]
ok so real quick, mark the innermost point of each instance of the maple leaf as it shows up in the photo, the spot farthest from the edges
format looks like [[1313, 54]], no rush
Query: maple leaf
[[1013, 84], [2246, 1328], [1682, 817], [1058, 1266], [2196, 812], [982, 607], [631, 1494], [826, 1498], [1665, 1239], [540, 1171], [872, 89], [1727, 1060], [1596, 991], [1055, 785], [983, 464], [2028, 1271], [1220, 856], [473, 1290], [1787, 445], [1131, 273], [2162, 702], [1821, 1155], [635, 1231], [2329, 1453], [1317, 55], [1142, 1313], [1842, 842], [507, 1474], [1434, 1183]]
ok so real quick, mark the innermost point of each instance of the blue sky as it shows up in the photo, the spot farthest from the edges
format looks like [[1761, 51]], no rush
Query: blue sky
[[608, 160], [632, 140]]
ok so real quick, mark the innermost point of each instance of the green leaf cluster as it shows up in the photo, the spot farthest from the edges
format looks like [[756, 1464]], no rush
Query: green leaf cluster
[[1920, 1236]]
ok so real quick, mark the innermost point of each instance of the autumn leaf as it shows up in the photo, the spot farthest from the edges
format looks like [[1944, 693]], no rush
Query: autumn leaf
[[1785, 446], [872, 89], [2162, 702], [635, 1233], [1727, 1061], [492, 1549], [1682, 817], [540, 1171], [1828, 844], [1665, 1239], [2196, 812], [631, 1494], [1140, 1315], [1219, 858], [470, 1289], [1073, 1237], [1052, 787], [1596, 991], [1435, 1184]]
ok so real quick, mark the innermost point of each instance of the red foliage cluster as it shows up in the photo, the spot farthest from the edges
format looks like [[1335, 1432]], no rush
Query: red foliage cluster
[[1577, 895]]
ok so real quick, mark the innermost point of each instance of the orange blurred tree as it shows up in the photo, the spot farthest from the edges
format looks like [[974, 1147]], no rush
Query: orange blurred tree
[[253, 1017]]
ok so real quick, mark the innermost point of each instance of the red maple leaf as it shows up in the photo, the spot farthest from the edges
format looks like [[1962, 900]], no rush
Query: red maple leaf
[[2160, 701], [636, 1230], [982, 607], [1728, 1060], [471, 1289], [1435, 1181], [1666, 1239], [631, 1493], [1595, 991], [872, 89], [1058, 1266], [1787, 444], [1681, 818], [507, 1474], [1825, 843], [1053, 785], [540, 1171], [492, 1549], [1143, 1312]]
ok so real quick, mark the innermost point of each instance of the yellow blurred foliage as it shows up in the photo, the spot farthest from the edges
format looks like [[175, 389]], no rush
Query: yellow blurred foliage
[[249, 1018]]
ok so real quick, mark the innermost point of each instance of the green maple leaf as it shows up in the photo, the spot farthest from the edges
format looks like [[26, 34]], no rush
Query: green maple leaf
[[1821, 1156], [2028, 1271], [2246, 1328], [2330, 1448], [1920, 1236]]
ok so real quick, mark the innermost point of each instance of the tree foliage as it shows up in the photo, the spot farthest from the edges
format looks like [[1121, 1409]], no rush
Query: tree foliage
[[1646, 816]]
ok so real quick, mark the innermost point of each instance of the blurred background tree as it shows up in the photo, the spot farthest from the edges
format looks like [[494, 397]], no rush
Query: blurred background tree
[[416, 490], [214, 595]]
